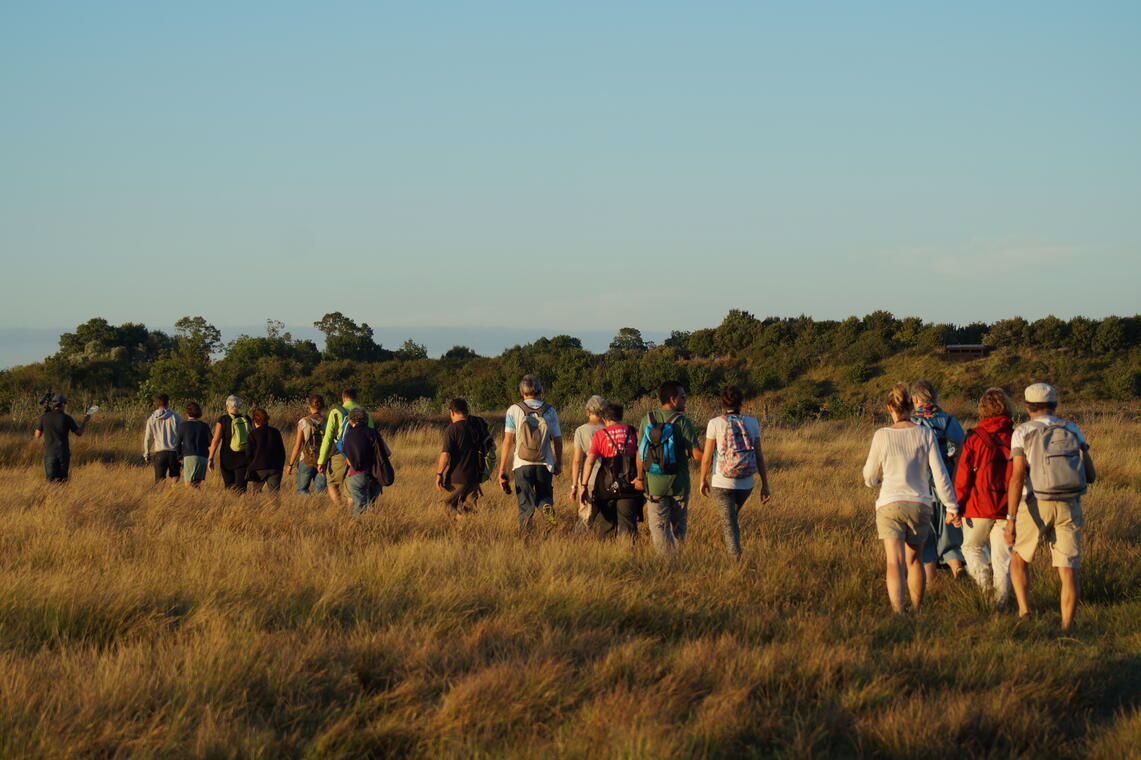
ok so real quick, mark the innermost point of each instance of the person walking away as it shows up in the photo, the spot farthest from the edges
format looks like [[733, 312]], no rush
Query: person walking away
[[899, 460], [192, 446], [331, 459], [159, 437], [533, 449], [1052, 469], [460, 466], [54, 426], [361, 450], [945, 541], [668, 443], [733, 454], [583, 435], [307, 447], [267, 454], [981, 477], [615, 500], [231, 444]]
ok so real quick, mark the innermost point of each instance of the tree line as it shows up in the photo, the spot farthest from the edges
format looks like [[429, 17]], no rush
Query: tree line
[[813, 366]]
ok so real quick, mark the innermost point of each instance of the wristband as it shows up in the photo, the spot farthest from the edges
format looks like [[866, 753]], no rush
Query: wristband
[[1010, 517]]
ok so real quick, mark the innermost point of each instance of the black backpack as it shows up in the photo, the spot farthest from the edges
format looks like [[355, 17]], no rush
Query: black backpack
[[616, 474]]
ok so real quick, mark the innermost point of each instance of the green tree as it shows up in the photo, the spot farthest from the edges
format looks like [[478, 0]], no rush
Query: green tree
[[459, 353], [736, 332], [1110, 336], [628, 339], [411, 350], [1008, 332], [345, 339]]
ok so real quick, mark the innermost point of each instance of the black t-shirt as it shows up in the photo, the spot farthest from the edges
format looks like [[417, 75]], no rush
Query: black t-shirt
[[231, 459], [55, 426], [267, 452], [462, 440]]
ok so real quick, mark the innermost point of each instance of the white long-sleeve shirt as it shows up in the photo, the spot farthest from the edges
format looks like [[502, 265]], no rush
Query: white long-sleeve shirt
[[161, 432], [904, 456]]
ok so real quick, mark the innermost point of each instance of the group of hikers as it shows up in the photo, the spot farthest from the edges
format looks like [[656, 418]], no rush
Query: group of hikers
[[983, 499]]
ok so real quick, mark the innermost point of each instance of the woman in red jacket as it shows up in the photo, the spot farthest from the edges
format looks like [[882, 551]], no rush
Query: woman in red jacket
[[980, 487]]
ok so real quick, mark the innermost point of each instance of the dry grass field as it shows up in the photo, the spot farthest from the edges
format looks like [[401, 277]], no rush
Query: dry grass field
[[159, 622]]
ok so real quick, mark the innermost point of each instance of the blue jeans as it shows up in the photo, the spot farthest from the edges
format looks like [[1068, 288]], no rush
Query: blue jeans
[[309, 480], [533, 490], [364, 489], [56, 465], [729, 502], [669, 520]]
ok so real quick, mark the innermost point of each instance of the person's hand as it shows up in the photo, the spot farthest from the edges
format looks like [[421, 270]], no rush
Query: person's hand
[[210, 464], [574, 492], [289, 469], [1009, 532], [321, 469], [440, 484], [766, 494], [556, 470], [146, 458], [704, 489], [954, 519], [639, 484]]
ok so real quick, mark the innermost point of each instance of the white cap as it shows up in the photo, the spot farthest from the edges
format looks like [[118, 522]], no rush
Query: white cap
[[1041, 393]]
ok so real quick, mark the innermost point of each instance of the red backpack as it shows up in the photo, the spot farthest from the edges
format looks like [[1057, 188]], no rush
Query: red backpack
[[990, 474]]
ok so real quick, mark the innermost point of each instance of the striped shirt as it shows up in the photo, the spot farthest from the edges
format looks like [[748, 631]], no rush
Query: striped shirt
[[904, 456]]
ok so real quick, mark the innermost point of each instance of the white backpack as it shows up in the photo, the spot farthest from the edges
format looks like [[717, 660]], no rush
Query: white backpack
[[1057, 466], [736, 457]]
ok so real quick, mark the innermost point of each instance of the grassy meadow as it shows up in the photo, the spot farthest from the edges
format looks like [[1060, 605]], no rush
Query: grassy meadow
[[138, 621]]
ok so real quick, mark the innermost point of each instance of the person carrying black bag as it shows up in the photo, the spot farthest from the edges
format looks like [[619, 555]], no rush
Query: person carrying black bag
[[616, 502], [369, 461]]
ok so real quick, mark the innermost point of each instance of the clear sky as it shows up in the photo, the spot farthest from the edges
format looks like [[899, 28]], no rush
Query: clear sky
[[576, 166]]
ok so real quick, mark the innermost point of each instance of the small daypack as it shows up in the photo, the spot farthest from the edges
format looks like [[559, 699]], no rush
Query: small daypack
[[533, 438], [340, 439], [990, 475], [381, 470], [239, 432], [1057, 469], [487, 458], [616, 473], [311, 448], [736, 455], [938, 425], [658, 450]]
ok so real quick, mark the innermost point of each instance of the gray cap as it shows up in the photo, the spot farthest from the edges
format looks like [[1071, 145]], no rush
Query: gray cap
[[1041, 393], [58, 399]]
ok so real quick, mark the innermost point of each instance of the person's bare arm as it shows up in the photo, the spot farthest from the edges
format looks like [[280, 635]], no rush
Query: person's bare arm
[[508, 450], [763, 471], [557, 441], [706, 464], [576, 472], [37, 433], [442, 462], [217, 439], [582, 484], [296, 449], [1014, 495]]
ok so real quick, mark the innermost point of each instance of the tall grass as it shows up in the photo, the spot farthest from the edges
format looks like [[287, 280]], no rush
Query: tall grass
[[144, 621]]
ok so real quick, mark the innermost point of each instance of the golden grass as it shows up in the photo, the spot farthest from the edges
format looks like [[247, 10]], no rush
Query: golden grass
[[137, 621]]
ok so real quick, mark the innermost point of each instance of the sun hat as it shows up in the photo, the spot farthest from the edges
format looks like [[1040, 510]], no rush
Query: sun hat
[[1041, 393]]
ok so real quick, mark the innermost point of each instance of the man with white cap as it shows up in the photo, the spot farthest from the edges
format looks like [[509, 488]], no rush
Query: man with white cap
[[1051, 469]]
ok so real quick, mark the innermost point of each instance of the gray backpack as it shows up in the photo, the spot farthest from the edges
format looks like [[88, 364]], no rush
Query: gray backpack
[[1057, 469], [533, 438]]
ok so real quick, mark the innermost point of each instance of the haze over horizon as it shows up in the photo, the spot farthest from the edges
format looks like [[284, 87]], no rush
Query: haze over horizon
[[651, 165]]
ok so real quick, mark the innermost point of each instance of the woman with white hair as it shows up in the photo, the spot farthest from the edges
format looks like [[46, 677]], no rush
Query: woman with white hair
[[582, 437], [232, 442]]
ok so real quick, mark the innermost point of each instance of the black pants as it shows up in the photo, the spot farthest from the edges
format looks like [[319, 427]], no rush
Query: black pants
[[166, 465], [233, 477], [271, 479], [56, 465], [618, 516]]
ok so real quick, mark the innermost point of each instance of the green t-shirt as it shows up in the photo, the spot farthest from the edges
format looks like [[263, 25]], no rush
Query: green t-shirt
[[685, 440]]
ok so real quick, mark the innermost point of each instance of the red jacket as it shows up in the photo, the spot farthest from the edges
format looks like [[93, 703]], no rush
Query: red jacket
[[984, 469]]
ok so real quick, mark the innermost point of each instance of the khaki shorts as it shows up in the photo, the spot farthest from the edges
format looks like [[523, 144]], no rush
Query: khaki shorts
[[1059, 522], [907, 521], [336, 470]]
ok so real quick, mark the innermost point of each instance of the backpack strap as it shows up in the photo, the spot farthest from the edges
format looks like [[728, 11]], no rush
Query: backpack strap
[[673, 418]]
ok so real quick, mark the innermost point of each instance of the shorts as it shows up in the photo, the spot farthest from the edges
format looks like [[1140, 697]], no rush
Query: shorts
[[1059, 522], [907, 521], [336, 470], [193, 469], [462, 497]]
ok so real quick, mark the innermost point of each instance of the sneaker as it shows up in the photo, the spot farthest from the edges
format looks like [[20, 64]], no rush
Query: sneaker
[[548, 511]]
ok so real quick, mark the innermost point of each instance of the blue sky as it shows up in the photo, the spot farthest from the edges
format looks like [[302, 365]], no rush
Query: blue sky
[[575, 167]]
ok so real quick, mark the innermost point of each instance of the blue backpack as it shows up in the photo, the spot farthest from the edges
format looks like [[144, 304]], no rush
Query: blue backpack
[[340, 439], [657, 449]]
